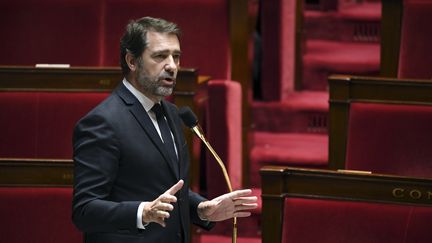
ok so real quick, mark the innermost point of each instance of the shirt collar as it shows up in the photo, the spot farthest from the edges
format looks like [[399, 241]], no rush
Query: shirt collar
[[144, 100]]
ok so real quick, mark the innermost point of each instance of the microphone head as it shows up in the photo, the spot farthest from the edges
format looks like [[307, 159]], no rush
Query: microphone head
[[188, 117]]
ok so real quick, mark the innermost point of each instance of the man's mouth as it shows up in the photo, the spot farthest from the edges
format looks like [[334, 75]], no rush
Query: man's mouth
[[168, 81]]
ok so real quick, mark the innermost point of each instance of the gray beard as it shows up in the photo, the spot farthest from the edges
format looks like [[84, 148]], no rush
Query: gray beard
[[154, 86]]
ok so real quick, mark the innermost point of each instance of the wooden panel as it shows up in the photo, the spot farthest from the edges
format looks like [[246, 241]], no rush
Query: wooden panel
[[241, 69], [58, 79], [188, 84], [300, 45], [280, 182], [35, 172], [28, 78], [346, 89], [391, 24]]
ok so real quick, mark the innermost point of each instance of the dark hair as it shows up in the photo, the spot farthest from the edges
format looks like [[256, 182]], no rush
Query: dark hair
[[134, 39]]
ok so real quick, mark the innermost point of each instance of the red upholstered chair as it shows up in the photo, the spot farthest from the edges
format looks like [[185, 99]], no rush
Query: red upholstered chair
[[205, 39], [224, 125], [50, 31], [87, 33], [415, 53], [289, 123], [36, 214], [224, 132], [318, 220], [390, 139], [381, 125], [405, 46], [40, 124], [311, 205], [224, 129], [278, 24]]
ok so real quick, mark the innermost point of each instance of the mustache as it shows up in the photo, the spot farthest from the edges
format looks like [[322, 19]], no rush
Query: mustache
[[167, 76]]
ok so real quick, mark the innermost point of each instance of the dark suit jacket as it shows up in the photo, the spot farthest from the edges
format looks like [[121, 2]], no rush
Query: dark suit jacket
[[120, 161]]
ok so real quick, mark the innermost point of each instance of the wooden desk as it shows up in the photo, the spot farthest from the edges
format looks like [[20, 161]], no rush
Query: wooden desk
[[281, 182], [58, 172]]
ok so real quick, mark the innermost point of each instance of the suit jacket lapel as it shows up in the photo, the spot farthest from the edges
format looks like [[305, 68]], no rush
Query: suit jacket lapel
[[145, 122]]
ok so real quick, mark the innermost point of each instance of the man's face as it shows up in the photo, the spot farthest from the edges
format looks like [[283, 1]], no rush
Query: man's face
[[158, 66]]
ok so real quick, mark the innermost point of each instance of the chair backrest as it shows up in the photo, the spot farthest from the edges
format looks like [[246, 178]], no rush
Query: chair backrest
[[205, 34], [50, 210], [310, 205], [328, 221], [39, 124], [390, 139], [415, 58], [224, 128], [40, 107], [281, 63], [405, 39], [380, 125], [50, 31], [87, 33], [43, 189]]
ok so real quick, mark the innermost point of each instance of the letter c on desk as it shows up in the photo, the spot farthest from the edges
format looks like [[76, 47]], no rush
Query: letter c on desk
[[398, 192]]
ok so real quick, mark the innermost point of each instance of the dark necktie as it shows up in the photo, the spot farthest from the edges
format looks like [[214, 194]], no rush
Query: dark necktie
[[165, 132]]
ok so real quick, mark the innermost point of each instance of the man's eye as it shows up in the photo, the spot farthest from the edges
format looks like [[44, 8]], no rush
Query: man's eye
[[160, 57]]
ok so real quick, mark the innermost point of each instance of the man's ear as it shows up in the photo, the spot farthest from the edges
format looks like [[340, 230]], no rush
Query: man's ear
[[131, 61]]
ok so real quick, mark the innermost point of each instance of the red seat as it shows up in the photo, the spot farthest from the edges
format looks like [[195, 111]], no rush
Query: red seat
[[37, 215], [224, 122], [315, 220], [390, 139], [204, 24], [224, 129], [40, 124], [311, 205], [415, 54], [50, 31]]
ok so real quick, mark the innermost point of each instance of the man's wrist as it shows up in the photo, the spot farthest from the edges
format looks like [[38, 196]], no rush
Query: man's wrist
[[200, 211], [140, 216]]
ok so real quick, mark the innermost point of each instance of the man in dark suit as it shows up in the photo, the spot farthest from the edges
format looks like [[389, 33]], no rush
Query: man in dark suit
[[131, 159]]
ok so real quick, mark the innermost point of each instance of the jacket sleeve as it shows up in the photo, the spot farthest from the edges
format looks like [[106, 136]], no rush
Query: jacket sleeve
[[96, 162], [194, 201]]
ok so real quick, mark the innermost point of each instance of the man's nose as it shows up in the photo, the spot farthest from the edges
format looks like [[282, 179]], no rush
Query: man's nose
[[171, 64]]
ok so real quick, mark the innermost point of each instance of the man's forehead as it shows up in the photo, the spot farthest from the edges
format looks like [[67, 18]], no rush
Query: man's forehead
[[157, 41]]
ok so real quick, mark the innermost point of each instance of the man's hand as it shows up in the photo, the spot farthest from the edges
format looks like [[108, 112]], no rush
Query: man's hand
[[233, 204], [158, 210]]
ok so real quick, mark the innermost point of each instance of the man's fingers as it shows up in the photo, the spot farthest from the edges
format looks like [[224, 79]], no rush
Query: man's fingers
[[160, 221], [239, 193], [160, 207], [165, 207], [246, 207], [162, 214], [174, 189], [243, 200], [167, 198], [242, 214]]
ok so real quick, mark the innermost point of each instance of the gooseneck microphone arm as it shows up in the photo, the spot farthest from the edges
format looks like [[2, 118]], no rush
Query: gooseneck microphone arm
[[191, 121]]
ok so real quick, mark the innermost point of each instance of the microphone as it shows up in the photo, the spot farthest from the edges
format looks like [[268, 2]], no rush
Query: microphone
[[190, 120], [188, 117]]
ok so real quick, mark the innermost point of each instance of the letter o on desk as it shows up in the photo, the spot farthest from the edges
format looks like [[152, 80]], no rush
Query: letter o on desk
[[415, 194]]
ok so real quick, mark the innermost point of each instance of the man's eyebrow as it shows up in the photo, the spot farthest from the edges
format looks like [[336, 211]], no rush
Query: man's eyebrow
[[166, 52]]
